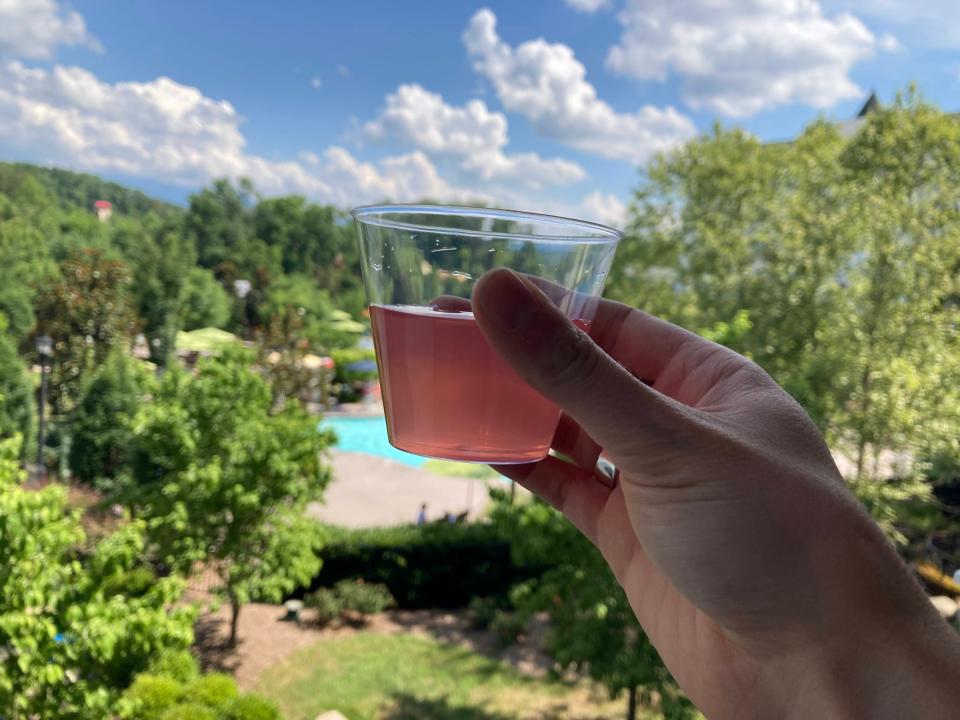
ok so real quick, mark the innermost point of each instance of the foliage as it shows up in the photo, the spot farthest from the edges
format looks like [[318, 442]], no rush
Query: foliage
[[832, 262], [87, 313], [16, 395], [179, 665], [508, 626], [343, 358], [221, 479], [592, 627], [355, 597], [68, 648], [186, 696], [434, 565], [251, 707], [327, 604], [102, 423], [203, 301]]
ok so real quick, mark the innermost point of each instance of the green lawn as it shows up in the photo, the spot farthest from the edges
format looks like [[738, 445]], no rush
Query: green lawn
[[477, 471], [372, 676]]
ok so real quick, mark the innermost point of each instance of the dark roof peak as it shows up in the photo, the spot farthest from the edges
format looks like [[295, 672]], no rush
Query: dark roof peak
[[871, 105]]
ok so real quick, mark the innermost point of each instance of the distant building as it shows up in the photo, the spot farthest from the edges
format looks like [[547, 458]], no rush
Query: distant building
[[104, 210]]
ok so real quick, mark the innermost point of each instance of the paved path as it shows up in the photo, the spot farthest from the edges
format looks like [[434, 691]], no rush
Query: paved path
[[369, 491]]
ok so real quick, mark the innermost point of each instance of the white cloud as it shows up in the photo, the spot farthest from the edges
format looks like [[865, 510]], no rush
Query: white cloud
[[316, 82], [343, 71], [546, 83], [740, 58], [471, 136], [930, 23], [35, 28], [605, 208], [587, 6], [172, 133]]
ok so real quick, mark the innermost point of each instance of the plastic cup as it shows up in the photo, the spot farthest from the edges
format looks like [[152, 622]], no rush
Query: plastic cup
[[446, 393]]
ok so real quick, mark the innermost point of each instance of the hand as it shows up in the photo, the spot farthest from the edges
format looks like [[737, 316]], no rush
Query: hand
[[765, 587]]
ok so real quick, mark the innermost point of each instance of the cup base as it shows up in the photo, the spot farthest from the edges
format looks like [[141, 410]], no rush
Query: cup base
[[485, 456]]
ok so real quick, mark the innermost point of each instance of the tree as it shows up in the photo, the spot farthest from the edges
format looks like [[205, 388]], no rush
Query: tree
[[67, 649], [203, 301], [160, 258], [102, 423], [841, 255], [223, 480], [16, 394], [87, 313], [592, 626], [296, 309]]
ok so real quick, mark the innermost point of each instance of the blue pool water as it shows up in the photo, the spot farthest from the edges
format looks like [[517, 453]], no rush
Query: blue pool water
[[368, 435]]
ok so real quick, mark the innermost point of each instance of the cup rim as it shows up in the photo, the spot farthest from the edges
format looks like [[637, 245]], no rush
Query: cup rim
[[368, 214]]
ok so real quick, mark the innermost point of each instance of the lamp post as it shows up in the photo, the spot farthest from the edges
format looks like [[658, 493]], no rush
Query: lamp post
[[44, 351]]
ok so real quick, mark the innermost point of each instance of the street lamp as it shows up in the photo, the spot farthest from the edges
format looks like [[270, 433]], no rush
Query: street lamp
[[44, 350]]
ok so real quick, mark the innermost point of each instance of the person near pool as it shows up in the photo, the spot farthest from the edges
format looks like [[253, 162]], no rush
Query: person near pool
[[766, 588]]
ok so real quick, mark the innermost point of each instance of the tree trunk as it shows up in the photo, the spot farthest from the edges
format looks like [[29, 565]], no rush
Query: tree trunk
[[632, 703], [234, 620]]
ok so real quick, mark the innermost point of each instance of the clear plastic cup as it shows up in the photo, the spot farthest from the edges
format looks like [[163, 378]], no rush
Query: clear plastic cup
[[446, 393]]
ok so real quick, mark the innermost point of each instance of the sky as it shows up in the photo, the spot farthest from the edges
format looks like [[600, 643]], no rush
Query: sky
[[543, 105]]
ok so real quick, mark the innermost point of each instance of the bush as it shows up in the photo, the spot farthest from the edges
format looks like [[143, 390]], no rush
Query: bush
[[149, 696], [215, 690], [180, 665], [482, 612], [132, 583], [102, 432], [251, 707], [363, 598], [189, 711], [326, 603], [16, 395], [508, 626], [432, 566]]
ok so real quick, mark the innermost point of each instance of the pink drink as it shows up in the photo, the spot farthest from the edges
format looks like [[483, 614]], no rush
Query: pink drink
[[447, 394]]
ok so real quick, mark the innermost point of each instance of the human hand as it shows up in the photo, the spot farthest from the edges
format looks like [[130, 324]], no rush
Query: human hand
[[765, 587]]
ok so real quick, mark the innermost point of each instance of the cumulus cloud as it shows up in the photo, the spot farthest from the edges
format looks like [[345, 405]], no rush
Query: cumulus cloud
[[173, 133], [604, 208], [587, 6], [34, 29], [931, 23], [740, 58], [546, 84], [316, 82], [471, 135]]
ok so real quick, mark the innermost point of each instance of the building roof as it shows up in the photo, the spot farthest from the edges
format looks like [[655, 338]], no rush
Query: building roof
[[105, 204]]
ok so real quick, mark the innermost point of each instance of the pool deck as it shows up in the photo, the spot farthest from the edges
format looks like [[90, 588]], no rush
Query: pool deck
[[370, 491]]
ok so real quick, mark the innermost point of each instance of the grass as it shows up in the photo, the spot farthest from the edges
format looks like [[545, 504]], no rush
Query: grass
[[371, 676], [450, 468]]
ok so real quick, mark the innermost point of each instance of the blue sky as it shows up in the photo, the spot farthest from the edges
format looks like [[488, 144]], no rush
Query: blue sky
[[546, 104]]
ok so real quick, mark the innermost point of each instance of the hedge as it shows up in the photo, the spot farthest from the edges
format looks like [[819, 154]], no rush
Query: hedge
[[438, 565]]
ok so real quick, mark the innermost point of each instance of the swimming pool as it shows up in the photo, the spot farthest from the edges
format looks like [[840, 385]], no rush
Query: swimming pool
[[368, 435]]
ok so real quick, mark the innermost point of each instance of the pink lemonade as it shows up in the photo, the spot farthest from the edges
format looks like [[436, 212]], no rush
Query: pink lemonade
[[447, 394]]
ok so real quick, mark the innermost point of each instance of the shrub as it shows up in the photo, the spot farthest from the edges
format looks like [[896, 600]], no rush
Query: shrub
[[133, 584], [180, 665], [432, 566], [508, 626], [149, 696], [251, 707], [215, 690], [189, 711], [326, 603], [16, 394], [482, 612], [363, 598]]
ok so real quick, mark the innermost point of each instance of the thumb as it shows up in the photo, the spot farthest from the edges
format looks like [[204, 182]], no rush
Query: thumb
[[625, 416]]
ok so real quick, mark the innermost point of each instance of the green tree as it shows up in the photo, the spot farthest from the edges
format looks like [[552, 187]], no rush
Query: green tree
[[67, 650], [224, 480], [203, 301], [87, 313], [17, 403], [841, 254], [592, 627], [102, 423]]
